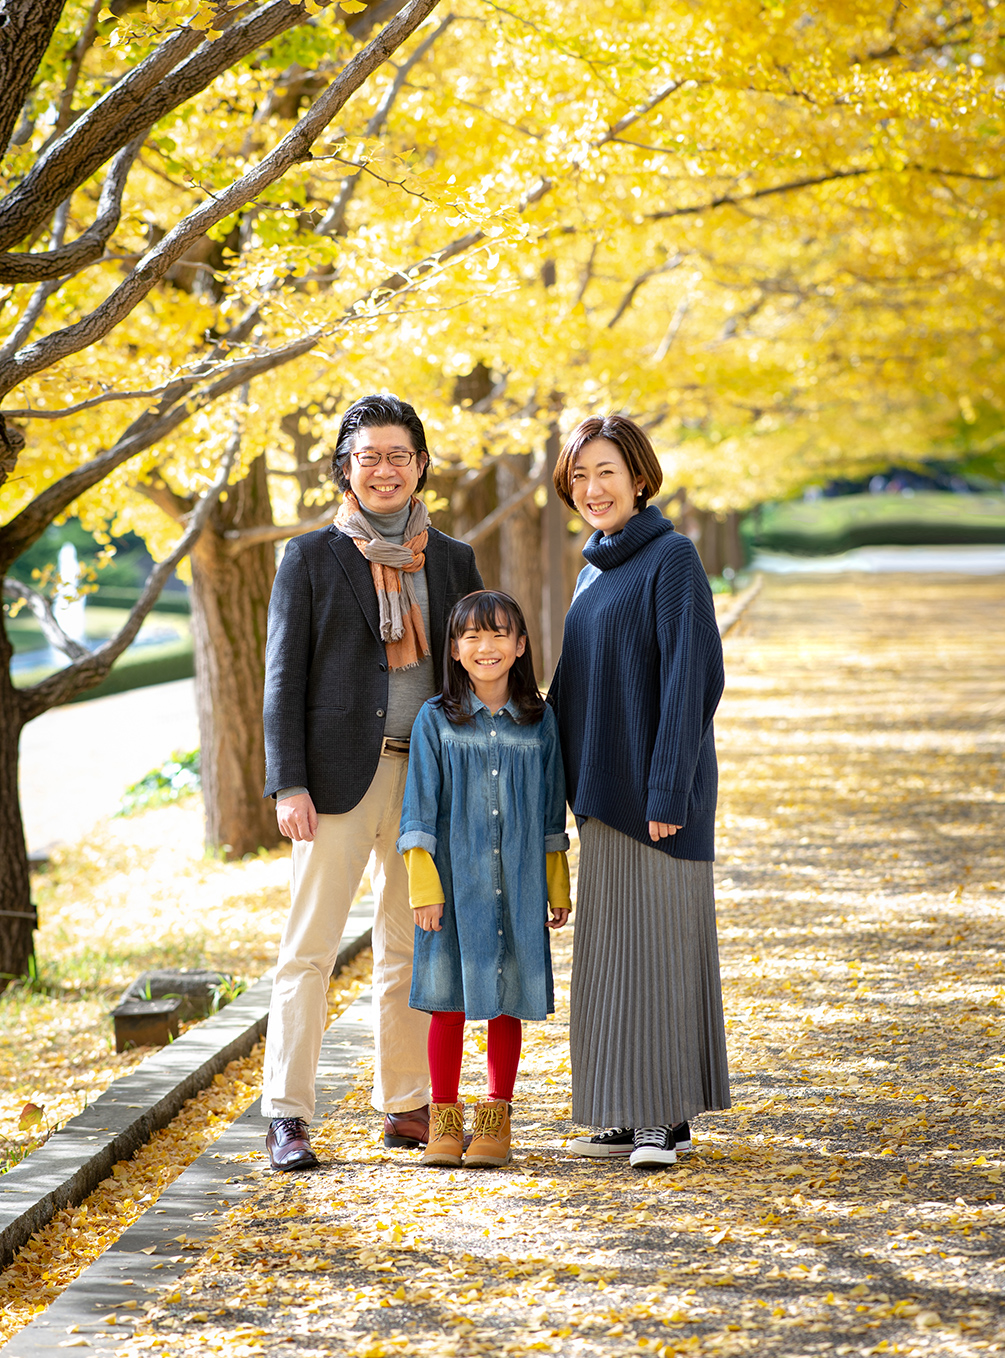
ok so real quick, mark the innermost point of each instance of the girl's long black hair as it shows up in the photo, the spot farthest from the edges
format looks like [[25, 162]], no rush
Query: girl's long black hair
[[482, 610]]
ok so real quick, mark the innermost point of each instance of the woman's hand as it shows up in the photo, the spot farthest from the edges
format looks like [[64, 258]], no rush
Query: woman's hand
[[559, 916], [658, 830], [428, 917]]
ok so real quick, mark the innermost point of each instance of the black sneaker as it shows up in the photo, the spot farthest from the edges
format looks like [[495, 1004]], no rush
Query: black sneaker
[[654, 1147], [682, 1137], [617, 1141]]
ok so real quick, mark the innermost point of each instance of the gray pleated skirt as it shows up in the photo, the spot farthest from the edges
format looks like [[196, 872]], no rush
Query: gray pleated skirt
[[647, 1037]]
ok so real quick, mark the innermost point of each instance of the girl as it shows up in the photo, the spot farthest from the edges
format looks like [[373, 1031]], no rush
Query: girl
[[483, 837]]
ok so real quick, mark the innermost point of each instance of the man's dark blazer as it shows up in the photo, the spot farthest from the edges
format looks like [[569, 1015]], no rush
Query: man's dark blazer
[[326, 667]]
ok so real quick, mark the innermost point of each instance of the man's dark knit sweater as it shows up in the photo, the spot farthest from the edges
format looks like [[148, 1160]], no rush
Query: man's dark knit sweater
[[637, 686]]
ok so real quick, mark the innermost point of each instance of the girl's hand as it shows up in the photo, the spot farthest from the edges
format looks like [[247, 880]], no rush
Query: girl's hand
[[658, 830], [559, 917], [428, 917]]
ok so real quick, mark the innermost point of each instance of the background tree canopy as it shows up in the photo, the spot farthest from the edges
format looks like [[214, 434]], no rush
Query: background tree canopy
[[771, 231]]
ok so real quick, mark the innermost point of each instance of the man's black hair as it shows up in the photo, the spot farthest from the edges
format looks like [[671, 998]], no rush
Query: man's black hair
[[376, 412]]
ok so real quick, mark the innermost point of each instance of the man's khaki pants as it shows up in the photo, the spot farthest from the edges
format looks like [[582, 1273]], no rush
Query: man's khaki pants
[[326, 875]]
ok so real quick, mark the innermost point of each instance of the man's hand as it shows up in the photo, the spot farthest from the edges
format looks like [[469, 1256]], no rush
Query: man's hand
[[428, 917], [658, 830], [559, 916], [297, 818]]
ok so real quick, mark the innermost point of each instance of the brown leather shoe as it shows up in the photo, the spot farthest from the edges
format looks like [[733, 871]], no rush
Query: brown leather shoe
[[407, 1130], [289, 1144]]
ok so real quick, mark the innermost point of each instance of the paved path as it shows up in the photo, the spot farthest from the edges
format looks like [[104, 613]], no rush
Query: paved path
[[76, 761], [848, 1204]]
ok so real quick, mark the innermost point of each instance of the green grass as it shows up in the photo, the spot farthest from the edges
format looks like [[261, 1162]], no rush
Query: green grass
[[929, 518]]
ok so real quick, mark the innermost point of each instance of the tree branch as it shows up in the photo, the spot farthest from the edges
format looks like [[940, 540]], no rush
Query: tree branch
[[670, 334], [26, 267], [27, 32], [80, 50], [177, 69], [29, 318], [492, 521], [43, 611], [738, 200], [664, 92], [294, 148], [629, 296], [332, 222], [90, 670], [177, 507], [239, 539]]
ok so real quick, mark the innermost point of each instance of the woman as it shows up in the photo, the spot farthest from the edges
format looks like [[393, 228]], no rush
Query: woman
[[638, 683]]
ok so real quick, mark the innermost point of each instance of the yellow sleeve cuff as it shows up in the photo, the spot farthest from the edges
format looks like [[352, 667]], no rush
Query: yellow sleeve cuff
[[557, 872], [424, 886]]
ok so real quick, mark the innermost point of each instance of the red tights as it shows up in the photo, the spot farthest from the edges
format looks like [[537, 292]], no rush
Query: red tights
[[446, 1042]]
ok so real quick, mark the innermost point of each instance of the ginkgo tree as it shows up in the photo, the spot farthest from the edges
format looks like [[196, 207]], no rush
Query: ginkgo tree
[[161, 68], [771, 232]]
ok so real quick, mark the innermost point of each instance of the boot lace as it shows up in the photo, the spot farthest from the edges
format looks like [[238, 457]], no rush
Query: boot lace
[[448, 1121], [488, 1119]]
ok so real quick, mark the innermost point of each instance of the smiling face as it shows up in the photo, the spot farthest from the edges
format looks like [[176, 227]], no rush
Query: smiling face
[[488, 654], [603, 489], [384, 489]]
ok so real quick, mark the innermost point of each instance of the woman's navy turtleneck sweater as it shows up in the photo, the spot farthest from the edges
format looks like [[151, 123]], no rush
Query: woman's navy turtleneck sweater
[[637, 686]]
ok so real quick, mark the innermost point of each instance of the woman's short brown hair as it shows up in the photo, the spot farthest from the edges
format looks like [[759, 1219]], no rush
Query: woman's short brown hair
[[634, 446]]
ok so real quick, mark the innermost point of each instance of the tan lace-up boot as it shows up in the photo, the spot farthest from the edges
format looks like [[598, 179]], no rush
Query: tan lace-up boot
[[446, 1135], [490, 1145]]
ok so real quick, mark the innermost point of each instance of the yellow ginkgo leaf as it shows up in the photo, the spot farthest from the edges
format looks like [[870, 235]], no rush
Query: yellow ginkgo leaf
[[31, 1116]]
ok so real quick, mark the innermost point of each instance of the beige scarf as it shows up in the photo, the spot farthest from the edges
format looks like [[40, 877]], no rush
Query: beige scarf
[[401, 627]]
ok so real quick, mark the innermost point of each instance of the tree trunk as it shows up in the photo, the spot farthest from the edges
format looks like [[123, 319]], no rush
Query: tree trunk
[[230, 601], [25, 32], [17, 915], [520, 551]]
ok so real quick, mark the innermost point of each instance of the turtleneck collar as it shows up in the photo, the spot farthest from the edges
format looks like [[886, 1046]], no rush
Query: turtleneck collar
[[389, 526], [605, 552]]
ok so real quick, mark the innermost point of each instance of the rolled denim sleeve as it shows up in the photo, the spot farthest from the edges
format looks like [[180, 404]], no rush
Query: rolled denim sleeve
[[422, 787], [555, 838]]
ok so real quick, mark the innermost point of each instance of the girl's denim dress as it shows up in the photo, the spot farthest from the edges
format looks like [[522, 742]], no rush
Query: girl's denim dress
[[487, 800]]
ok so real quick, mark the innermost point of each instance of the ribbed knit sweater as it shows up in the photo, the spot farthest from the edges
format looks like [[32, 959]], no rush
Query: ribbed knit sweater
[[637, 686]]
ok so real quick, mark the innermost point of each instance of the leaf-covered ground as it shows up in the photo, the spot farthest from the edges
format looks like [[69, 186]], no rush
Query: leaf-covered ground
[[76, 1236], [851, 1201], [137, 893]]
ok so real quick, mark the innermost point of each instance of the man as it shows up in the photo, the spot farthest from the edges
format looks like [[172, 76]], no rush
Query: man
[[355, 647]]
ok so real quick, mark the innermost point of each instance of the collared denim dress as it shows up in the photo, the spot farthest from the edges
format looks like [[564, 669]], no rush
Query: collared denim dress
[[487, 800]]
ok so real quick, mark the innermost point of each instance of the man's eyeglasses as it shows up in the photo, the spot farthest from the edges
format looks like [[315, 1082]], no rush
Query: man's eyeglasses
[[398, 459]]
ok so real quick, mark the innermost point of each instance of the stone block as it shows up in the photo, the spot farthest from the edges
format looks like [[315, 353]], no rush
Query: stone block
[[197, 991], [146, 1023]]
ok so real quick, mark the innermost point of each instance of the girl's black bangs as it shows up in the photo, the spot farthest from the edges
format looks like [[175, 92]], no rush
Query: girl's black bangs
[[482, 613]]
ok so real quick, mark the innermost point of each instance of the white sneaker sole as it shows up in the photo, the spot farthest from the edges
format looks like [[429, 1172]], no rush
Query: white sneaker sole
[[651, 1157], [582, 1147]]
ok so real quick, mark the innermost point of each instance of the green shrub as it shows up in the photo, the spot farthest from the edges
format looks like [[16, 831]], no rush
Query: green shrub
[[176, 778]]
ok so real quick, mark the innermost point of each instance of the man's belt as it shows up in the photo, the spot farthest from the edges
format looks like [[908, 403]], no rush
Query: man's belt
[[394, 745]]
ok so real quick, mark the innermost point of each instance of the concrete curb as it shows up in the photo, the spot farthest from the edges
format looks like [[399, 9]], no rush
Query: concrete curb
[[185, 1216], [75, 1159], [743, 601]]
